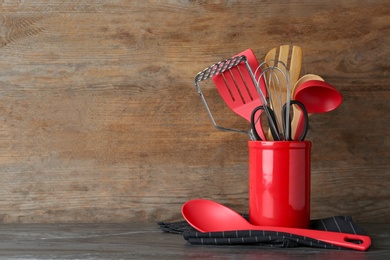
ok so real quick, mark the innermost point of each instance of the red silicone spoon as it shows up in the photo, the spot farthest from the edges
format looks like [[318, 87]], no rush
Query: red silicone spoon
[[209, 216]]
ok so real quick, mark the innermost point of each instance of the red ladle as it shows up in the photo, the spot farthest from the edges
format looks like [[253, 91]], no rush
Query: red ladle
[[318, 96], [209, 216]]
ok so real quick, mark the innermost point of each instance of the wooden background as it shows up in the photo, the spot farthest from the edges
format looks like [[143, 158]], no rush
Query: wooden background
[[100, 120]]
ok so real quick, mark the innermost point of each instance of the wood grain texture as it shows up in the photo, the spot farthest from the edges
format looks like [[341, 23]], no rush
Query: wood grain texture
[[100, 120]]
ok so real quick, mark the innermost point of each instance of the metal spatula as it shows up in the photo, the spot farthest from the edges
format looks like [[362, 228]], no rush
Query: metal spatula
[[236, 84]]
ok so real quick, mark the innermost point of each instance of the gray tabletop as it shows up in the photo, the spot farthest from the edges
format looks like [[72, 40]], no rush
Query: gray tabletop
[[147, 241]]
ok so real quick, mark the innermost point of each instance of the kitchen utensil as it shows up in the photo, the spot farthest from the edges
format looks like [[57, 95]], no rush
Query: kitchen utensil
[[257, 123], [209, 216], [296, 111], [318, 97], [295, 64], [236, 84], [275, 135], [291, 67], [238, 89], [304, 122], [275, 78]]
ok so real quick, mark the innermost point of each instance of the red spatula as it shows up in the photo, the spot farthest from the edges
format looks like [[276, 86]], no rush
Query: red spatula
[[238, 89], [236, 84]]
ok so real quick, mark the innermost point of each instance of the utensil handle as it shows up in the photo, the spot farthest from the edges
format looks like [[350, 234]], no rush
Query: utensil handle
[[303, 120], [357, 242], [299, 125], [352, 241]]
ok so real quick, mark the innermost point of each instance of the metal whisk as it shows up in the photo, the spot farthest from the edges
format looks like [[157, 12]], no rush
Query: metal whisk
[[276, 78]]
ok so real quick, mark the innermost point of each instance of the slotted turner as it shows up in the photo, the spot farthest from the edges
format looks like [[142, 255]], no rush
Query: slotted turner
[[237, 87], [236, 84]]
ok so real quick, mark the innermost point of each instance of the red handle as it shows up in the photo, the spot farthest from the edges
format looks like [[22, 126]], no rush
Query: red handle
[[341, 239], [300, 127], [338, 239]]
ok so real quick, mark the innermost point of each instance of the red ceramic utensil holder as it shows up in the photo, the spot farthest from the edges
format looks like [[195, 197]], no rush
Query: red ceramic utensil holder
[[279, 183]]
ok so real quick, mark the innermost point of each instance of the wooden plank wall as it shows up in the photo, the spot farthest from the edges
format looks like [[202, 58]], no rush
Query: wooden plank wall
[[100, 120]]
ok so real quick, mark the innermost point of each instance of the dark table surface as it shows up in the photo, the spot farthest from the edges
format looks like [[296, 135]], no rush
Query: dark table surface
[[147, 241]]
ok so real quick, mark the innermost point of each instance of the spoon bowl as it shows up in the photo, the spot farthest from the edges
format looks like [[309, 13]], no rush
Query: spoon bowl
[[318, 96], [209, 216]]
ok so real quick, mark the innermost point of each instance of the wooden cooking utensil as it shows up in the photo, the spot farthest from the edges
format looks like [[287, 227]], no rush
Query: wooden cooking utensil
[[290, 65]]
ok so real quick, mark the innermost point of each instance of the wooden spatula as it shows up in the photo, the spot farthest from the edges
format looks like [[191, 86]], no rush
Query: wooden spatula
[[290, 66]]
